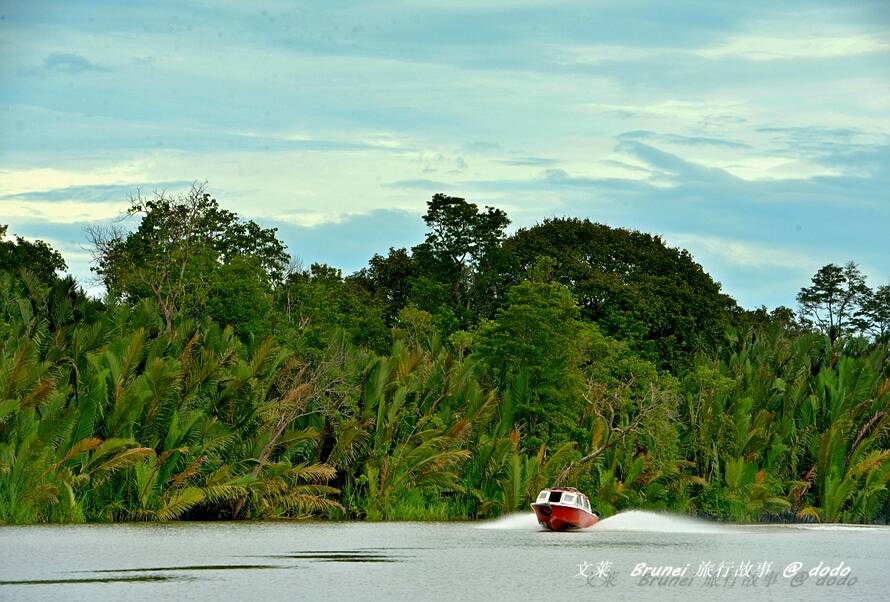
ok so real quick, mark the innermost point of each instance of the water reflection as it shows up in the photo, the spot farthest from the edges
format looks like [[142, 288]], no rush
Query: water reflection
[[122, 579], [142, 578], [200, 567], [340, 556]]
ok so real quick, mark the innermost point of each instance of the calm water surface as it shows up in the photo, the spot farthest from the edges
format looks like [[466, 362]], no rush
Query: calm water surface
[[510, 559]]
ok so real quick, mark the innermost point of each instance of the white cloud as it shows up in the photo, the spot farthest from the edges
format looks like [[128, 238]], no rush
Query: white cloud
[[19, 181], [766, 167], [743, 253], [769, 47], [786, 39], [60, 212], [600, 53]]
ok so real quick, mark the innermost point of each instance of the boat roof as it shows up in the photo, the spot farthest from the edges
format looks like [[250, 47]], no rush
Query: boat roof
[[572, 489]]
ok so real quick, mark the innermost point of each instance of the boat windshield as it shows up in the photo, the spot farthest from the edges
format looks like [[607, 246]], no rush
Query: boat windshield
[[572, 498]]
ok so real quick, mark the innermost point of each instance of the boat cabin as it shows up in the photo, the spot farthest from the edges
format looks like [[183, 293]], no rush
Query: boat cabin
[[564, 497]]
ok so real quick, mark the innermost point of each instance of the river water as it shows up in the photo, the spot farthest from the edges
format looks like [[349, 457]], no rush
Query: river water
[[508, 559]]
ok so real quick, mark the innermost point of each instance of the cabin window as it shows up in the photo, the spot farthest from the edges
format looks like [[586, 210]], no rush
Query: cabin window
[[569, 498], [556, 496], [542, 497]]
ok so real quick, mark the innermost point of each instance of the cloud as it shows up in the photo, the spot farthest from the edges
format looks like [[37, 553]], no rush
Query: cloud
[[421, 184], [100, 193], [674, 165], [683, 140], [482, 146], [781, 39], [40, 128], [69, 62], [528, 161], [744, 253], [852, 149], [790, 47]]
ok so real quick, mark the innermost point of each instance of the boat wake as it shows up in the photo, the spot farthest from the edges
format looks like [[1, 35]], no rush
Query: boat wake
[[656, 522], [515, 521], [644, 521], [630, 520]]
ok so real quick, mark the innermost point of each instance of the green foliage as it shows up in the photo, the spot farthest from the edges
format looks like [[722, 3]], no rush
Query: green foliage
[[538, 332], [789, 424], [389, 279], [238, 295], [316, 304], [101, 422]]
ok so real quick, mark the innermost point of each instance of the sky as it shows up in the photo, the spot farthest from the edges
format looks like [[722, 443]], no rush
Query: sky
[[755, 134]]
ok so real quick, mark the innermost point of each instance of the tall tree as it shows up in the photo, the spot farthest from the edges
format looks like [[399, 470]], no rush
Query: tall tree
[[459, 240], [834, 299], [537, 335], [178, 248]]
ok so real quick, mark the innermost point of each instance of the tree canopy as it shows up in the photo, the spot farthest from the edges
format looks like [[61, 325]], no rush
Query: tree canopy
[[460, 241], [837, 301], [182, 251], [634, 286]]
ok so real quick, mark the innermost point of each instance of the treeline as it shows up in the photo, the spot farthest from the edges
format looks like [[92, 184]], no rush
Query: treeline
[[218, 379]]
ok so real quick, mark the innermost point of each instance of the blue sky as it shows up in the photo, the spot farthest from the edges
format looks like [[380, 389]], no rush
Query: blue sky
[[755, 134]]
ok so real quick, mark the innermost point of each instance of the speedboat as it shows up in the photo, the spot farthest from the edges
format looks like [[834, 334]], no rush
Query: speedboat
[[562, 508]]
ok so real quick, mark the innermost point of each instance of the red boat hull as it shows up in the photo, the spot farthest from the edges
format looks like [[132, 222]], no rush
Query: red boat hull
[[561, 518]]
